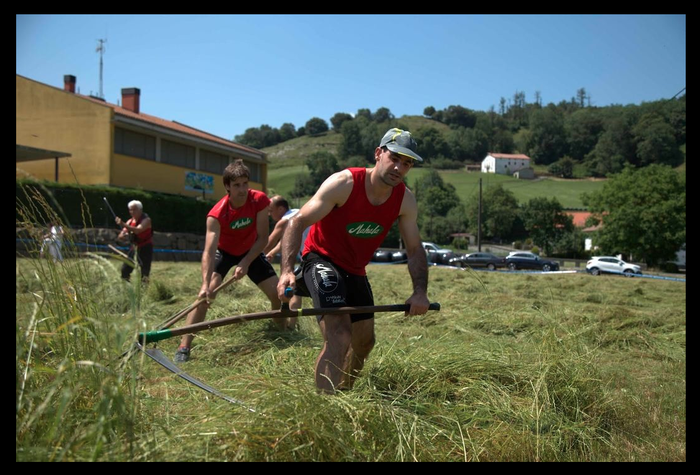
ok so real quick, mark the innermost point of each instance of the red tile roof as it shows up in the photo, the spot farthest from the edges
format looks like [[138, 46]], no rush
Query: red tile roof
[[518, 156], [580, 217], [172, 125]]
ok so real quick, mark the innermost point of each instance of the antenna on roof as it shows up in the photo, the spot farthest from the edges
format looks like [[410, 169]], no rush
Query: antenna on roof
[[101, 49]]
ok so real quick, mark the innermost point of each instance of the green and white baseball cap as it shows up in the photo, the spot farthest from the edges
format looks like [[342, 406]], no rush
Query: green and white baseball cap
[[400, 141]]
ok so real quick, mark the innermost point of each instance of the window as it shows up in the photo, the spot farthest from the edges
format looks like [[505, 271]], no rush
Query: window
[[134, 144], [177, 154], [255, 171], [212, 162]]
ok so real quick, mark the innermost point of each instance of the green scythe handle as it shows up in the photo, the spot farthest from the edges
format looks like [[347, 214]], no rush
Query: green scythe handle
[[158, 335]]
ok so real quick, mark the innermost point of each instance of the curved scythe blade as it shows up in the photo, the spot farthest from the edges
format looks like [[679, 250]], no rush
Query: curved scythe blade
[[156, 355]]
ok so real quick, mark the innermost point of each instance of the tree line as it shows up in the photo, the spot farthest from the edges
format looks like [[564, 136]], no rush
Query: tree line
[[572, 138], [643, 211]]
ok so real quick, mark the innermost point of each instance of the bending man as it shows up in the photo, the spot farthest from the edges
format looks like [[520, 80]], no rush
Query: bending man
[[351, 213]]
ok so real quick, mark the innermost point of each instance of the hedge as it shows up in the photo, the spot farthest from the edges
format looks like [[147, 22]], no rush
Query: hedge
[[169, 213]]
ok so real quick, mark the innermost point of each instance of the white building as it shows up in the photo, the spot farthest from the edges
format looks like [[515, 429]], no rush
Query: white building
[[504, 163]]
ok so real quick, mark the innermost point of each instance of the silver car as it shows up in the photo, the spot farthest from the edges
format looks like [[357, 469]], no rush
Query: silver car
[[611, 265]]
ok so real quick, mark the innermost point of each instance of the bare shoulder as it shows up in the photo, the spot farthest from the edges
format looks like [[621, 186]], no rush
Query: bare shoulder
[[340, 179], [408, 204], [337, 187]]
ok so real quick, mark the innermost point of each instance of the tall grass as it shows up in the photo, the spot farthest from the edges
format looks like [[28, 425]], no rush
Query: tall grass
[[514, 367], [73, 319]]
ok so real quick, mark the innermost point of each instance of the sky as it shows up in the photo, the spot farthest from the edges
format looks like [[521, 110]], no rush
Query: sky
[[226, 73]]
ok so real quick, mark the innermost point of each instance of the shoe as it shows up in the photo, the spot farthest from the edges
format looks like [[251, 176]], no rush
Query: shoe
[[182, 355]]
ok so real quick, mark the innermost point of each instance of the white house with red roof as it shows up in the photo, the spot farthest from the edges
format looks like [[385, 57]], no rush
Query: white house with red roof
[[504, 163]]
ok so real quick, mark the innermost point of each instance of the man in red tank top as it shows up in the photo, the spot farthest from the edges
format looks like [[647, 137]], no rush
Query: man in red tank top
[[351, 213], [237, 232], [140, 232]]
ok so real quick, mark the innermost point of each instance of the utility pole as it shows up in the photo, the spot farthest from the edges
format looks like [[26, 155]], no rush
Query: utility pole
[[101, 49], [478, 232]]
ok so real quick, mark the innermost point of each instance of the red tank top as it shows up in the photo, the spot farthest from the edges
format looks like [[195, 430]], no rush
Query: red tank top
[[239, 225], [146, 237], [350, 234]]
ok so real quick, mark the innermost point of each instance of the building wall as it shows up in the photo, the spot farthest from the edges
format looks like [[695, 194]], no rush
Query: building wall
[[503, 166], [510, 166], [134, 172], [52, 119], [488, 165]]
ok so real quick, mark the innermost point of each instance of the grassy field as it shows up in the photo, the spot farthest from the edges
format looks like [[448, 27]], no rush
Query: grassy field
[[287, 162], [514, 367], [568, 192]]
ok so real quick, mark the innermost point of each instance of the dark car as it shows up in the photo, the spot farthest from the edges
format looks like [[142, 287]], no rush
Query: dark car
[[436, 254], [479, 260], [528, 260]]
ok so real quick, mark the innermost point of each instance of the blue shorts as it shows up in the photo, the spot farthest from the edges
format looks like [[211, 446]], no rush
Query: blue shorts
[[331, 286]]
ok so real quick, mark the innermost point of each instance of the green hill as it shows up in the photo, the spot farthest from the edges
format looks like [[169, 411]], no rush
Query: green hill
[[294, 152], [287, 162]]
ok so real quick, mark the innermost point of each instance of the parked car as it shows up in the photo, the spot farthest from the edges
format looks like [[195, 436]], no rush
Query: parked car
[[528, 260], [611, 265], [386, 255], [478, 260], [437, 254]]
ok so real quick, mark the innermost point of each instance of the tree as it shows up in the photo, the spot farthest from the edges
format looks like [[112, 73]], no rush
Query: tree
[[546, 222], [614, 148], [642, 212], [563, 168], [583, 129], [251, 137], [581, 97], [321, 165], [303, 186], [316, 125], [437, 202], [429, 111], [459, 116], [269, 136], [499, 212], [366, 113], [287, 132], [548, 136], [655, 142], [383, 115], [339, 119], [431, 143], [351, 141]]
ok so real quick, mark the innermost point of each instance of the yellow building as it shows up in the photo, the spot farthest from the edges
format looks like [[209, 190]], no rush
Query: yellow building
[[121, 146]]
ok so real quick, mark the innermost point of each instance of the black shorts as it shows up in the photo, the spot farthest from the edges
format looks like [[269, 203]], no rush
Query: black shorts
[[258, 271], [331, 286]]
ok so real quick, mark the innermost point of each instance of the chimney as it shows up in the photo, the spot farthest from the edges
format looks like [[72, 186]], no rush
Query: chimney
[[69, 83], [131, 99]]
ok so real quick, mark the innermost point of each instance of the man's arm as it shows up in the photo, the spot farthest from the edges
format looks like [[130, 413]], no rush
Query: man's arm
[[417, 262], [143, 225], [211, 241], [333, 192], [274, 242]]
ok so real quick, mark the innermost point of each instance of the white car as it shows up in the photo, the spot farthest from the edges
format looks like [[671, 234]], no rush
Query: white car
[[611, 265]]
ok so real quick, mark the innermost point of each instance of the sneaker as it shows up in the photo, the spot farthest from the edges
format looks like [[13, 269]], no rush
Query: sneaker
[[182, 355]]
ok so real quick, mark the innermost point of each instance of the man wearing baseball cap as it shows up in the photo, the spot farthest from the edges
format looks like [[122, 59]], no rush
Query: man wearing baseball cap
[[350, 215]]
